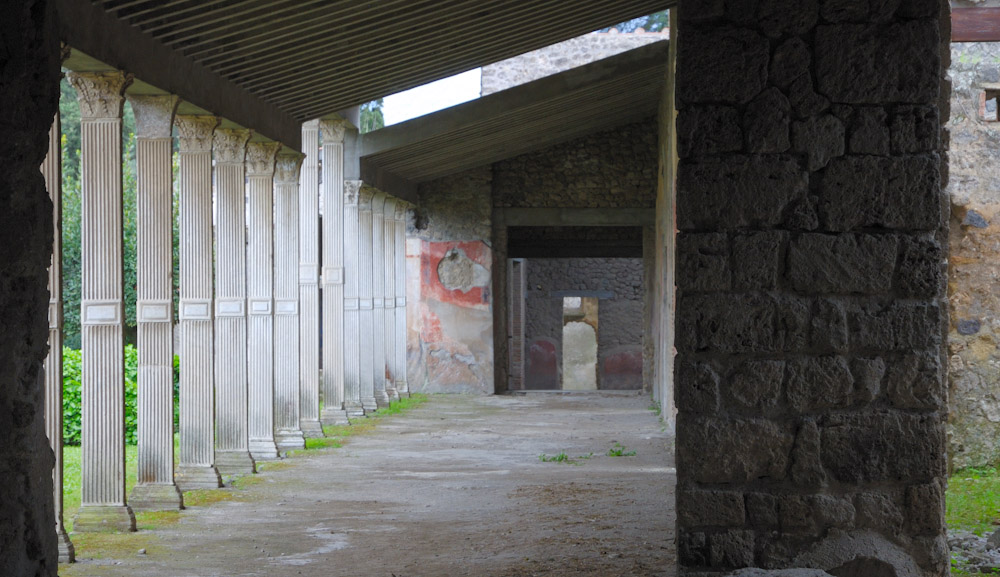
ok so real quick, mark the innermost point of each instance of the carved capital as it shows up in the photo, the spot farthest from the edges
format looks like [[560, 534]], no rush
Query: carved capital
[[389, 210], [333, 130], [311, 125], [286, 170], [261, 157], [101, 94], [230, 145], [401, 207], [154, 114], [195, 132], [365, 197], [352, 191]]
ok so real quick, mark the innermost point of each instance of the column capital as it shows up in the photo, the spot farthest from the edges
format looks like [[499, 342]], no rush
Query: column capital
[[378, 202], [401, 207], [101, 94], [287, 168], [334, 129], [365, 198], [389, 210], [194, 133], [311, 125], [261, 157], [154, 114], [230, 145], [352, 191]]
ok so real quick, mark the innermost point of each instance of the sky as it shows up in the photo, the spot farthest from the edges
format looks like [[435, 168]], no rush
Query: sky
[[431, 97]]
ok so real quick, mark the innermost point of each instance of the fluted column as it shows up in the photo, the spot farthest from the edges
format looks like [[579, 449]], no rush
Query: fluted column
[[260, 298], [352, 317], [366, 313], [309, 283], [378, 298], [102, 316], [389, 275], [155, 488], [232, 455], [334, 222], [287, 432], [52, 172], [400, 260], [196, 469]]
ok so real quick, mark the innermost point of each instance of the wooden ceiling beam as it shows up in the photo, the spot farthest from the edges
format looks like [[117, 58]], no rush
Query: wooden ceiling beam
[[975, 25]]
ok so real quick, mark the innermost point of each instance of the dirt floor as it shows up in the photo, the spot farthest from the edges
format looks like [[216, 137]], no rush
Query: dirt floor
[[454, 487]]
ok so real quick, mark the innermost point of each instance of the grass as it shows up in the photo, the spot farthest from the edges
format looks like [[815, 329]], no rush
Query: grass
[[620, 450], [973, 504], [563, 458]]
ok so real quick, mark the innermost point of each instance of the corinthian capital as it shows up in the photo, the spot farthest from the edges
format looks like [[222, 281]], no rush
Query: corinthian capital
[[366, 196], [101, 94], [333, 130], [286, 171], [230, 145], [401, 207], [154, 114], [261, 158], [352, 191], [195, 132]]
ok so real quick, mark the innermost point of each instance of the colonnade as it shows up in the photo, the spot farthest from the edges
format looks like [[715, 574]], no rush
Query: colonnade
[[252, 282]]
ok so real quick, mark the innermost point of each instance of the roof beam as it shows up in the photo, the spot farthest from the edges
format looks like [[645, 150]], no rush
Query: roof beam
[[975, 25], [579, 216]]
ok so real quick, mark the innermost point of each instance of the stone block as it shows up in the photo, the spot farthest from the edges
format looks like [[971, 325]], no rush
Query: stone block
[[703, 262], [917, 381], [757, 384], [795, 513], [762, 510], [793, 323], [915, 129], [710, 508], [878, 511], [829, 326], [697, 387], [756, 260], [707, 130], [878, 63], [819, 139], [791, 60], [868, 191], [738, 60], [820, 263], [738, 192], [833, 512], [869, 131], [919, 9], [805, 101], [731, 549], [712, 450], [779, 18], [925, 509], [932, 554], [868, 374], [884, 446], [860, 10], [894, 326], [766, 121], [692, 548], [802, 215], [920, 273], [807, 468], [726, 324], [816, 383]]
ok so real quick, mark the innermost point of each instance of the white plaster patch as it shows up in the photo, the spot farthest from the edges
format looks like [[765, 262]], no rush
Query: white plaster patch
[[458, 272]]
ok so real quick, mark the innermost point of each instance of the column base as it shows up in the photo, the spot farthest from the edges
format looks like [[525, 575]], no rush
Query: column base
[[104, 519], [392, 392], [369, 405], [231, 463], [353, 411], [403, 389], [312, 429], [155, 497], [292, 440], [192, 477], [67, 553], [334, 417], [382, 399], [264, 450]]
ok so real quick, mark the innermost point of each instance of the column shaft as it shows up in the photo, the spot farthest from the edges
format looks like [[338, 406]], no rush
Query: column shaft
[[288, 434], [335, 395], [352, 318], [52, 172], [196, 469], [232, 452], [102, 321], [389, 274], [400, 257], [366, 313], [378, 298], [260, 298], [309, 313], [155, 489]]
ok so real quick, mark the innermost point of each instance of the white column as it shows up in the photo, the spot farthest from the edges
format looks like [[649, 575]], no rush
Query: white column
[[52, 172], [154, 119], [232, 455], [334, 346], [309, 352], [378, 298], [366, 313], [260, 298], [287, 432], [352, 317], [102, 314], [196, 469], [389, 275], [400, 257]]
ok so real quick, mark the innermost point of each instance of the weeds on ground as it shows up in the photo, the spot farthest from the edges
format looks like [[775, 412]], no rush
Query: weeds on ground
[[620, 450], [973, 505], [655, 407], [336, 435], [563, 458]]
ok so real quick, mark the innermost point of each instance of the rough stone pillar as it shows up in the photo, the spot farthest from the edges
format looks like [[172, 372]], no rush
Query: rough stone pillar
[[810, 313], [378, 299], [389, 269], [232, 455], [288, 435], [334, 222], [366, 312], [402, 388], [260, 298], [196, 468], [154, 119], [352, 318], [52, 171], [309, 313], [102, 314]]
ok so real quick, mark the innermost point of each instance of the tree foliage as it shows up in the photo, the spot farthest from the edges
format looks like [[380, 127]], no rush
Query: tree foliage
[[371, 116], [654, 22]]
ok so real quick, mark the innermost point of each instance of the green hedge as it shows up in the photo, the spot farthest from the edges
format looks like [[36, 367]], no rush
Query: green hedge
[[72, 368]]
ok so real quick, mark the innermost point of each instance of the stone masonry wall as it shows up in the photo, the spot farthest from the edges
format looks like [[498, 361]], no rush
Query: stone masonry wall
[[562, 56], [809, 380], [29, 88]]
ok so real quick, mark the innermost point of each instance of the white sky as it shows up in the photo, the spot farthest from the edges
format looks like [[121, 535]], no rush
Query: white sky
[[431, 97]]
